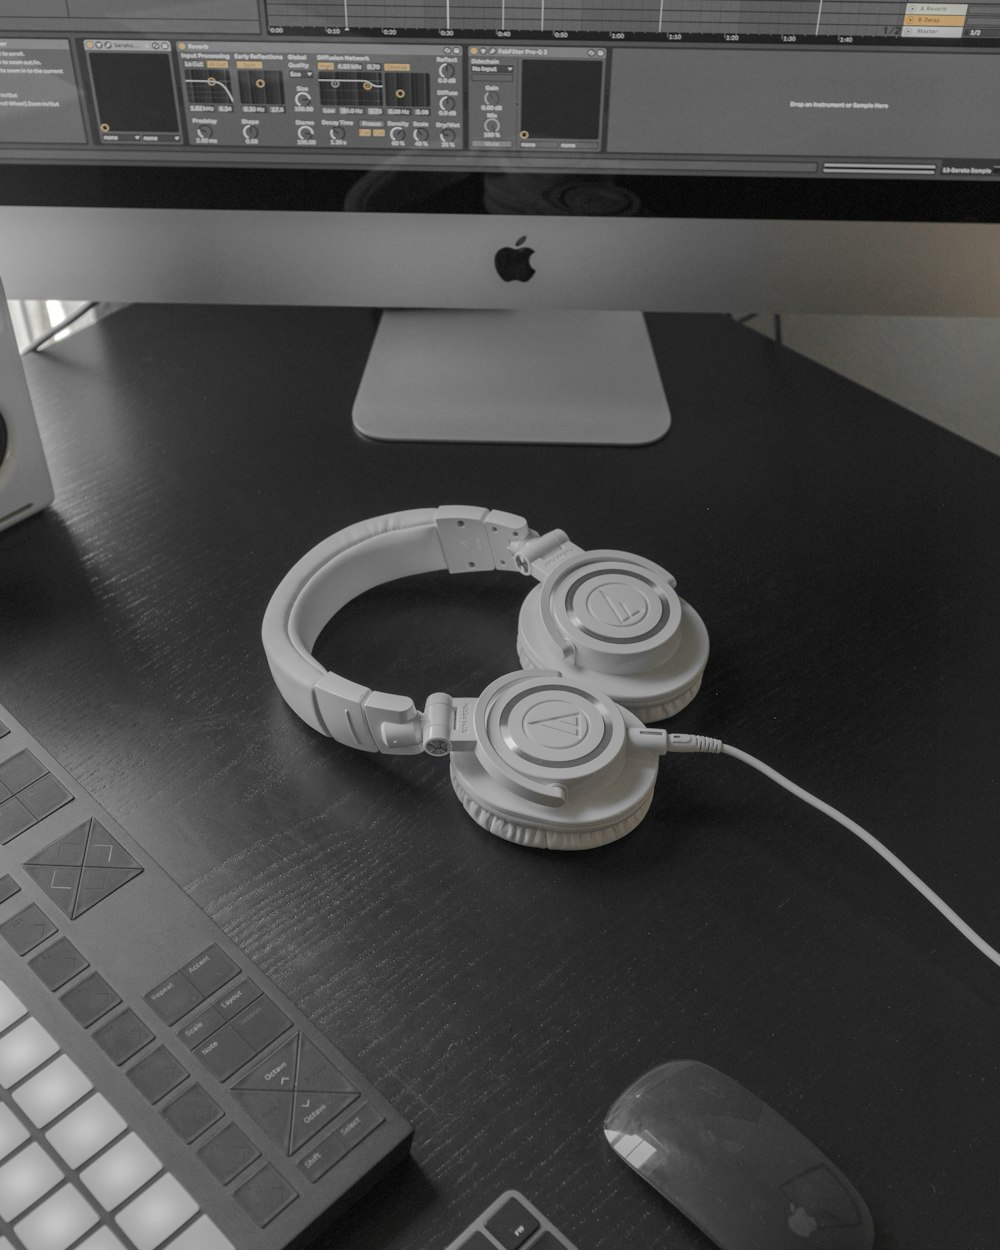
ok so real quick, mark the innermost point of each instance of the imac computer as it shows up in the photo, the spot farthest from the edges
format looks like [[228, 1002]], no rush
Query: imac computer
[[514, 181]]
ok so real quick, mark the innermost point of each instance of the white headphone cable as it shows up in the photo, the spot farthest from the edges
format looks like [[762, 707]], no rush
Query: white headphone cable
[[696, 744]]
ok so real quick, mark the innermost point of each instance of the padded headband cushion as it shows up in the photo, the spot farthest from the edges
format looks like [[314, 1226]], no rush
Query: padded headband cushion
[[333, 573]]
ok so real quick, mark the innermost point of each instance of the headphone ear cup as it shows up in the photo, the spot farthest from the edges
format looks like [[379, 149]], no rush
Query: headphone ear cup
[[556, 764], [614, 621], [665, 703]]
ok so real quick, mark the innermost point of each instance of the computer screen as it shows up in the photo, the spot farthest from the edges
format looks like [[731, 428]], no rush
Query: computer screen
[[722, 155]]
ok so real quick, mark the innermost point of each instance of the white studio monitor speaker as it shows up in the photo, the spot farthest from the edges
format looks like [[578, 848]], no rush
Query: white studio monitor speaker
[[25, 485]]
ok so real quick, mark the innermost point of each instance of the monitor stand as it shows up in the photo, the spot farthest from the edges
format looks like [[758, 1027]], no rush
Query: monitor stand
[[524, 376]]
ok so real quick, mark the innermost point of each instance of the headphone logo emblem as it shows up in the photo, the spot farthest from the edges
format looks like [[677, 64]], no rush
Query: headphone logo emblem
[[625, 606], [564, 729]]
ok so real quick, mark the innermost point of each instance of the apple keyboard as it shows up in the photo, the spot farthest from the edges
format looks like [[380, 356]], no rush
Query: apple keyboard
[[156, 1089]]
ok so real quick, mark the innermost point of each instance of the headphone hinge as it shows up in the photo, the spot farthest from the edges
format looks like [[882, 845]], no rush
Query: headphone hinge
[[540, 554], [448, 724], [475, 540]]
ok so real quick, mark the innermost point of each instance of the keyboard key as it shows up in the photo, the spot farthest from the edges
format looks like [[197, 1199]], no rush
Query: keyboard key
[[24, 1178], [191, 1113], [85, 1131], [68, 851], [312, 1111], [210, 970], [157, 1212], [90, 1000], [11, 1007], [512, 1225], [8, 886], [15, 819], [58, 1222], [59, 882], [173, 998], [157, 1074], [202, 1235], [51, 1091], [12, 1131], [105, 851], [20, 771], [224, 1052], [57, 964], [316, 1072], [228, 1153], [97, 883], [200, 1028], [123, 1036], [24, 1049], [240, 996], [264, 1195], [276, 1073], [45, 796], [323, 1156], [513, 1222], [272, 1111], [27, 929], [120, 1171], [260, 1024], [357, 1127]]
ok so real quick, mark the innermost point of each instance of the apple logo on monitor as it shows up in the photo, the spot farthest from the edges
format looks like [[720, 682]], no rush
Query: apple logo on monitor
[[513, 264]]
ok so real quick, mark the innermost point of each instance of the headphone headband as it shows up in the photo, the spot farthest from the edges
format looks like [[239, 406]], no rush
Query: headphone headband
[[358, 558]]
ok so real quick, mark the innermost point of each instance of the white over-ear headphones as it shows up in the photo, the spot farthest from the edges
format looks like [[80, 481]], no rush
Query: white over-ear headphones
[[556, 756]]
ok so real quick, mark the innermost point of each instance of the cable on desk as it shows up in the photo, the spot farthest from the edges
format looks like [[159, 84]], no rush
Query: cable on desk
[[696, 744]]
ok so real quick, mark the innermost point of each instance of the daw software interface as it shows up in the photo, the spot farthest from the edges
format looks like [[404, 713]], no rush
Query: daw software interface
[[815, 89]]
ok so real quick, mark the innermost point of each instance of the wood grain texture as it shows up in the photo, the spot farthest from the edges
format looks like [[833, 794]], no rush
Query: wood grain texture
[[845, 557]]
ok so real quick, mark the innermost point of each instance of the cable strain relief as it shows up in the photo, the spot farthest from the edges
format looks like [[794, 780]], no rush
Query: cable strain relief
[[693, 744]]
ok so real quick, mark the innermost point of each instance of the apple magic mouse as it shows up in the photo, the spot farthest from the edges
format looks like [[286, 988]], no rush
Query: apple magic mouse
[[734, 1167]]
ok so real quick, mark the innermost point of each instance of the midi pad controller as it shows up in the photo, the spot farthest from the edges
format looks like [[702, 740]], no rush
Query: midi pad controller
[[338, 97]]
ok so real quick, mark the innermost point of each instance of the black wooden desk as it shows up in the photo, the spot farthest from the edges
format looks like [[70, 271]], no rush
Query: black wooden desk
[[845, 557]]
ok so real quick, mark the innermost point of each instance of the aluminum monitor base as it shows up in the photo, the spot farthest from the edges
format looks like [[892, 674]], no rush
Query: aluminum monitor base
[[535, 376]]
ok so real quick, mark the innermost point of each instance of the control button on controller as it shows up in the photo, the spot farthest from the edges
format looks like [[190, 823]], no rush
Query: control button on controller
[[90, 1000], [228, 1153], [123, 1036], [25, 930], [265, 1194], [191, 1113], [157, 1074], [210, 970]]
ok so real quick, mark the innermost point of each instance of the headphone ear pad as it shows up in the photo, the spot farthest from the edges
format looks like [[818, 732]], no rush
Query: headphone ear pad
[[543, 836]]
